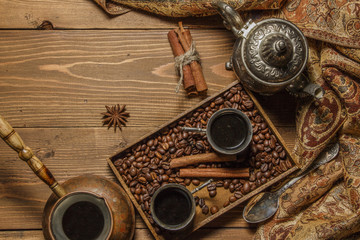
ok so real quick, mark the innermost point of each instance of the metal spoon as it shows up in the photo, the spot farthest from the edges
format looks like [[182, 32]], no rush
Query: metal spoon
[[264, 205]]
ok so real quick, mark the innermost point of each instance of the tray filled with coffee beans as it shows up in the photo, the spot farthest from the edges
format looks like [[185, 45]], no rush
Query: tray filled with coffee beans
[[202, 164]]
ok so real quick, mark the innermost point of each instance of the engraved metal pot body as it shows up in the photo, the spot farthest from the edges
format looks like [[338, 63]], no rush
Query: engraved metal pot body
[[268, 56]]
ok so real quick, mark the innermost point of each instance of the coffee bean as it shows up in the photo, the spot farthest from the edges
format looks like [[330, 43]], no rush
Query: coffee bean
[[179, 152], [246, 187], [212, 193], [258, 175], [227, 203], [133, 171], [133, 183], [232, 187], [211, 187], [288, 163], [150, 143], [238, 194], [205, 209], [232, 199], [195, 182], [260, 147], [214, 209], [267, 174], [264, 167], [165, 178], [187, 181], [201, 202]]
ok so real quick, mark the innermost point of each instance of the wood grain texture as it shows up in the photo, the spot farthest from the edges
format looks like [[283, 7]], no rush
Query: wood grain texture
[[141, 234], [64, 78], [86, 14]]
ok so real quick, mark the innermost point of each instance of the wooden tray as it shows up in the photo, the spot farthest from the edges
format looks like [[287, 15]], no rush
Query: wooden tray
[[222, 194]]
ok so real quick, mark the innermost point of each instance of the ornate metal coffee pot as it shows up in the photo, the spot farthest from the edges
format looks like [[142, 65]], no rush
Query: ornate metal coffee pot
[[268, 56]]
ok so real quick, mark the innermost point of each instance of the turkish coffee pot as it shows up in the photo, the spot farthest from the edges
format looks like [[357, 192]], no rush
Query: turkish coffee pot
[[268, 56], [86, 207]]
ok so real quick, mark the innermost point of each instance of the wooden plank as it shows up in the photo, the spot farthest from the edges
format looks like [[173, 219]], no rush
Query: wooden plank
[[64, 78], [143, 234], [69, 152], [86, 14]]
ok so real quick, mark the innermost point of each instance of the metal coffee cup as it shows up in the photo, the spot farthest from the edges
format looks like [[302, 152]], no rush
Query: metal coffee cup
[[229, 131], [173, 207]]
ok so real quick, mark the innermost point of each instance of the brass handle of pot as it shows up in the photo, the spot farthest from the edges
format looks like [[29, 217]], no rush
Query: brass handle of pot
[[232, 19], [12, 138]]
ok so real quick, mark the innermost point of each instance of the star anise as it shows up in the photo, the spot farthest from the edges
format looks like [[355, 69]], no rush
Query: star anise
[[115, 116]]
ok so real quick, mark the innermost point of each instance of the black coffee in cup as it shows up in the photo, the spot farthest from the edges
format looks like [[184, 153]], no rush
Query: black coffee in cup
[[229, 131], [83, 221], [81, 216], [173, 207]]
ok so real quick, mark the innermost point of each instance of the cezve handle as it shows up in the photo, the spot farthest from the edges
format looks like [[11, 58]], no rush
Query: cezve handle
[[12, 138]]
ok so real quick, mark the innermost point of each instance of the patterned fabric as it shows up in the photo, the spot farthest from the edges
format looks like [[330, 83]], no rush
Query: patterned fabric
[[326, 203], [183, 8]]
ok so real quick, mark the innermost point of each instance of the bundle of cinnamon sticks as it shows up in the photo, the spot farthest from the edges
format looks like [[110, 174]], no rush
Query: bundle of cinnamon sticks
[[208, 172], [193, 79]]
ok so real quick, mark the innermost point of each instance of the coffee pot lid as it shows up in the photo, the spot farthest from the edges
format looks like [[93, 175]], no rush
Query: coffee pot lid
[[274, 51]]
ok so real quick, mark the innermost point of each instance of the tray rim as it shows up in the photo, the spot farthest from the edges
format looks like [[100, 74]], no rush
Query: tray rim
[[232, 205]]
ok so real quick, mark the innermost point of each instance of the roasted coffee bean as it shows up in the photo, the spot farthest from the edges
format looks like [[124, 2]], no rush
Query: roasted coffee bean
[[214, 209], [196, 199], [150, 143], [205, 209], [267, 174], [201, 202], [258, 175], [211, 187], [264, 167], [232, 187], [238, 194], [288, 163], [142, 180], [179, 152], [272, 143], [246, 187], [153, 166], [187, 181], [260, 147], [227, 184], [283, 166], [133, 171], [165, 178], [232, 199], [133, 183], [212, 193], [227, 203], [278, 149], [195, 182], [188, 150], [275, 154], [219, 184]]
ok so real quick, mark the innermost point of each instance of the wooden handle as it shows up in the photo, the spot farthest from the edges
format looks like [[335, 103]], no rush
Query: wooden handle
[[200, 158], [12, 138]]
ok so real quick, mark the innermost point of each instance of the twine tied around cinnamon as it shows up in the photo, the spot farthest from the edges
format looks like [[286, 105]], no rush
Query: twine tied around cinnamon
[[185, 59]]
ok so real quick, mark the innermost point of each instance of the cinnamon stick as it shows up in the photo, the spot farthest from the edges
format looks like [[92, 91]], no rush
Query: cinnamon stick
[[186, 40], [214, 173], [188, 79], [200, 158]]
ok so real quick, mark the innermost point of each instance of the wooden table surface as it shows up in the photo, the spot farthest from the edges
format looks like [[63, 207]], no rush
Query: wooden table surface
[[55, 83]]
